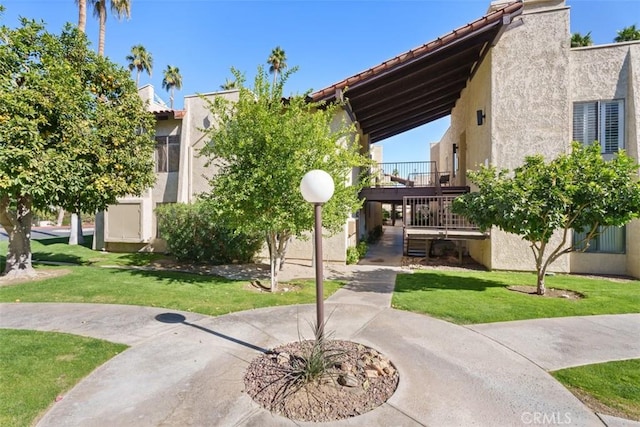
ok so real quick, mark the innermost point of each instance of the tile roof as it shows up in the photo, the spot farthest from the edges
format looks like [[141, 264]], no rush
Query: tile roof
[[421, 84]]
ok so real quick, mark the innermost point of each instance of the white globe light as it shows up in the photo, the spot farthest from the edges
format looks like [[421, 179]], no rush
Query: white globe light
[[317, 186]]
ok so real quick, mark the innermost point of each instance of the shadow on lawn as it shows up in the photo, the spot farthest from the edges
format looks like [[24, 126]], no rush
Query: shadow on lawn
[[432, 281], [172, 276]]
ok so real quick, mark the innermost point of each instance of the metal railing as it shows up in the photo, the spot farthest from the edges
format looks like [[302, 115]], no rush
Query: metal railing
[[404, 174], [433, 212]]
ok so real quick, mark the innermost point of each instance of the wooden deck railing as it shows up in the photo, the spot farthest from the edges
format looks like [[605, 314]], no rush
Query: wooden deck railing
[[433, 212]]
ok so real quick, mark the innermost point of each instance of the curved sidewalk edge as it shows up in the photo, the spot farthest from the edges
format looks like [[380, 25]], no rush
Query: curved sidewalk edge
[[564, 342], [187, 369]]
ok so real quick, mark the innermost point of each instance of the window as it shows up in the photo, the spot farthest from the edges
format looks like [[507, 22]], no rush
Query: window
[[600, 121], [610, 240], [168, 153]]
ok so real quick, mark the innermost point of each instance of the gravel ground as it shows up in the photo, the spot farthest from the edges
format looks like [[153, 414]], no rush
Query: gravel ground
[[357, 380]]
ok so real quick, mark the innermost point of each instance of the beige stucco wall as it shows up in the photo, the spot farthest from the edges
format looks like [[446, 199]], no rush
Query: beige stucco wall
[[474, 142], [194, 171], [526, 87], [531, 109], [633, 248], [604, 73], [333, 246], [633, 148]]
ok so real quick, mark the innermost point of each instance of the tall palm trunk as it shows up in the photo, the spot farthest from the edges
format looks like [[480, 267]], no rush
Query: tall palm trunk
[[82, 15], [102, 18]]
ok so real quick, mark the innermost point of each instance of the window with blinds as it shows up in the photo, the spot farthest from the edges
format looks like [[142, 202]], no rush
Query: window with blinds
[[601, 121], [609, 240], [168, 153]]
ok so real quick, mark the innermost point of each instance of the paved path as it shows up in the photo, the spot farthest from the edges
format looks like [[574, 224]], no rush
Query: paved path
[[564, 342], [189, 372], [186, 369]]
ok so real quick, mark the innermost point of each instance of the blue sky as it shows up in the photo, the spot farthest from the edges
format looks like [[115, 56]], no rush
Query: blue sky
[[329, 40]]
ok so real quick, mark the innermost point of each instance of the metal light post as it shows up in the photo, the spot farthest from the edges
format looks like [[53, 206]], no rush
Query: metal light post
[[317, 187]]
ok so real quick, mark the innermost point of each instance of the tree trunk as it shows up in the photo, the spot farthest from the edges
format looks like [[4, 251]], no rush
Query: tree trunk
[[277, 244], [102, 16], [540, 289], [75, 233], [541, 267], [18, 227], [82, 15], [282, 248], [60, 217], [273, 262]]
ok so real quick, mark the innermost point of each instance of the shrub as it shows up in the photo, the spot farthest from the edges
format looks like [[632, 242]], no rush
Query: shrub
[[352, 255], [195, 232], [362, 249], [356, 253], [375, 234]]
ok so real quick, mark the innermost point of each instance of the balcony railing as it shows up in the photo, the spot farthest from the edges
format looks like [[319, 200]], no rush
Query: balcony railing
[[433, 212], [407, 174]]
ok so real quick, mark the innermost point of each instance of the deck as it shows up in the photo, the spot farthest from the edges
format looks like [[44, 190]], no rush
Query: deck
[[392, 182]]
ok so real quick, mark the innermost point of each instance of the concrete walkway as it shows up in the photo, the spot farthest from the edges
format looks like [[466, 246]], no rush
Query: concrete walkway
[[186, 369]]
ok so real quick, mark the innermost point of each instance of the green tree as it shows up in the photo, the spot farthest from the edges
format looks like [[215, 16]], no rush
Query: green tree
[[277, 62], [73, 132], [140, 60], [172, 80], [120, 8], [579, 191], [628, 34], [262, 149], [578, 40], [228, 85]]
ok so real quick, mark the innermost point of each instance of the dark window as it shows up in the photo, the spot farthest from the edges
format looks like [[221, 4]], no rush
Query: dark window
[[168, 153]]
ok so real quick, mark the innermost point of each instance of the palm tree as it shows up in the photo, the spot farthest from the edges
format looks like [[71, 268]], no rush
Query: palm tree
[[82, 14], [229, 84], [140, 60], [578, 40], [628, 34], [277, 62], [120, 8], [172, 79]]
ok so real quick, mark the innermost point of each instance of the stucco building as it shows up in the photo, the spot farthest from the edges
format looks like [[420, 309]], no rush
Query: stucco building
[[512, 85], [534, 94], [181, 175]]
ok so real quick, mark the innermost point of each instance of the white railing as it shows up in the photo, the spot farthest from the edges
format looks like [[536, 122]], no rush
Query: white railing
[[433, 212]]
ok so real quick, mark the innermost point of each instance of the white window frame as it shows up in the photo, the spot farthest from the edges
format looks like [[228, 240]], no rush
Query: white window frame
[[601, 123]]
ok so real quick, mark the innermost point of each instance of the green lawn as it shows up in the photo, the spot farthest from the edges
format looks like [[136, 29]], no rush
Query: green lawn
[[190, 292], [481, 297], [58, 250], [36, 367], [614, 385]]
